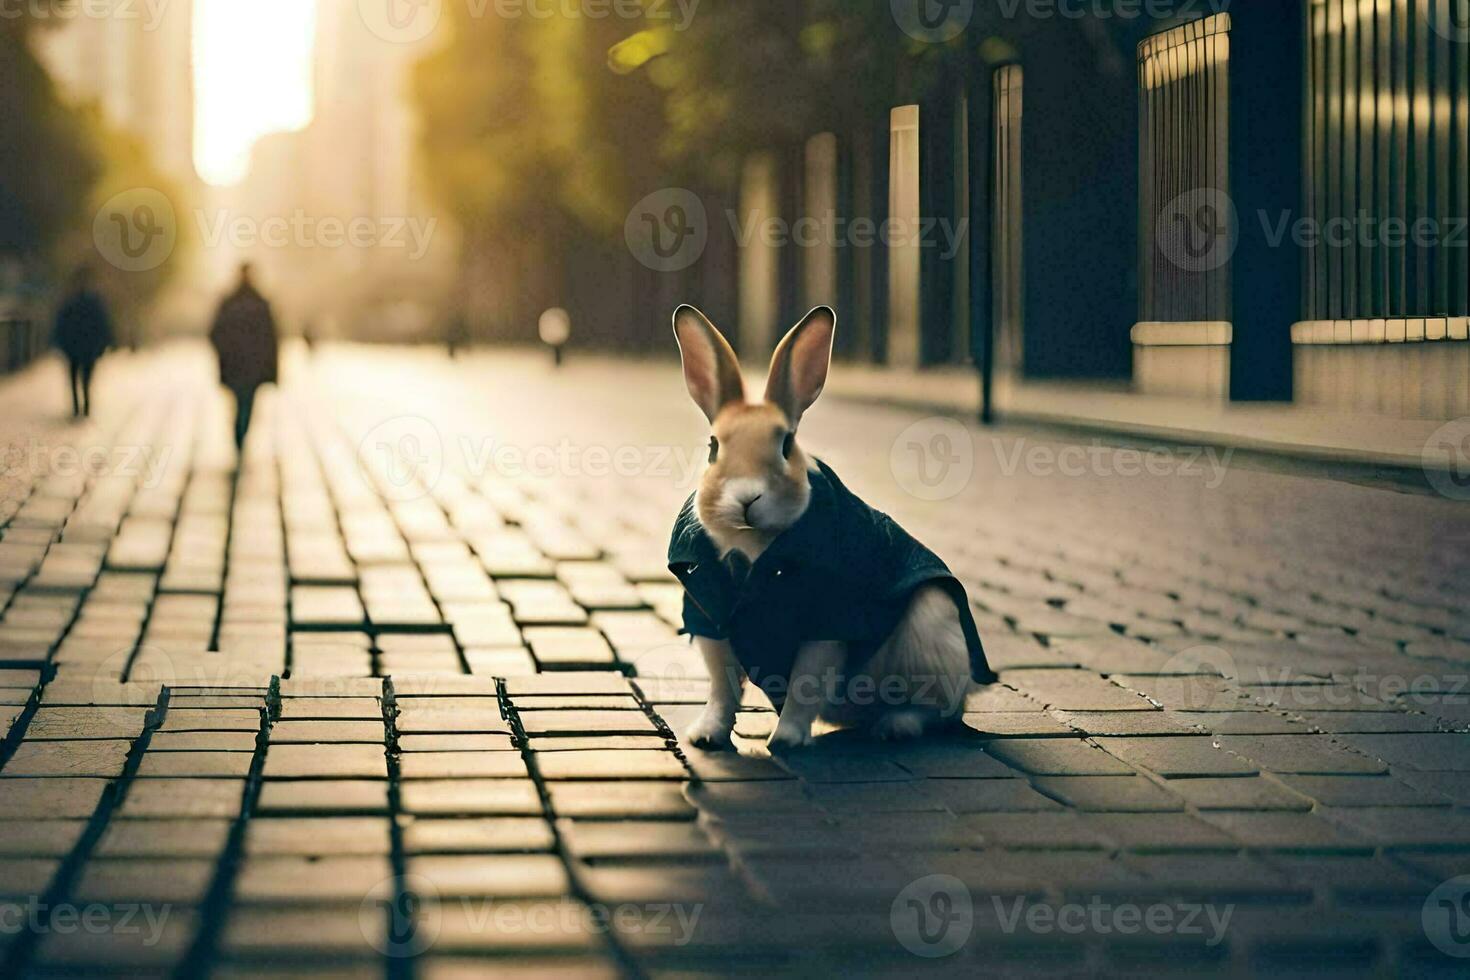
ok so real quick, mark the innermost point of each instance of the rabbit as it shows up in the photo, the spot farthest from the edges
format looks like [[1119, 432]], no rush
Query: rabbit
[[794, 583]]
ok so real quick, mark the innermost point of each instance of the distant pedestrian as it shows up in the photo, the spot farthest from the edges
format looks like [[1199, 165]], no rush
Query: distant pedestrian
[[83, 333], [244, 337]]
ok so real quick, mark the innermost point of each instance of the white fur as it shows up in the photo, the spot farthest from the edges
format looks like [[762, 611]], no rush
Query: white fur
[[726, 687]]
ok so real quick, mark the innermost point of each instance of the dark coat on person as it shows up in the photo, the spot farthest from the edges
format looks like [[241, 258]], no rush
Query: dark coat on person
[[244, 337], [83, 329], [844, 571]]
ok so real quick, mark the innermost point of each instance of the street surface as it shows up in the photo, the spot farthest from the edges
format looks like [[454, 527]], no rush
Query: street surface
[[403, 696]]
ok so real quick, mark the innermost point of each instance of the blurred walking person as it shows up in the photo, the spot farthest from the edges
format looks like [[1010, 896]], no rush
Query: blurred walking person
[[83, 333], [244, 337]]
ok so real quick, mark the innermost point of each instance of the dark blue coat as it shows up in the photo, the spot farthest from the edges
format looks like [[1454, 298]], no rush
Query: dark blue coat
[[843, 571]]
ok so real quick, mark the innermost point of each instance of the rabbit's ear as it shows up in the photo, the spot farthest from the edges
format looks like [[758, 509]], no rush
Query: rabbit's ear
[[799, 365], [710, 368]]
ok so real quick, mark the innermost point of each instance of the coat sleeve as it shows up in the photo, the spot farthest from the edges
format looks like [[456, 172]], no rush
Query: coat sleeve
[[697, 623]]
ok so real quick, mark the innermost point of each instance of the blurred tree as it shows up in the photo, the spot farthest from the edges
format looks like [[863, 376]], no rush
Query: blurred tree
[[48, 164], [58, 165]]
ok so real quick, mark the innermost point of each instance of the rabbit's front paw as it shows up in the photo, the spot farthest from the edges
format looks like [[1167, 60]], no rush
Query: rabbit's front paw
[[788, 736], [710, 731]]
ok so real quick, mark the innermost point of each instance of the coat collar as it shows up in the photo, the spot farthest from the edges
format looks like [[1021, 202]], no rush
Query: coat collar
[[812, 541]]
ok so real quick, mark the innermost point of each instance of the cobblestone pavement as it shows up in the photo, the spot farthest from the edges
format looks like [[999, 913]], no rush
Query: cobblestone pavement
[[403, 697]]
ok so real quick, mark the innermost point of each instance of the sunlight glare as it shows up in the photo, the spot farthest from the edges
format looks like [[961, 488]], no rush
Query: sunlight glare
[[252, 77]]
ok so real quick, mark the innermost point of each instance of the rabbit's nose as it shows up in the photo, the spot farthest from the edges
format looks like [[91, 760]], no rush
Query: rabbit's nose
[[749, 504]]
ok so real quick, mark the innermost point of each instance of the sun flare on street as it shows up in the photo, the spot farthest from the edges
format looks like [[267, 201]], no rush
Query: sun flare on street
[[252, 76]]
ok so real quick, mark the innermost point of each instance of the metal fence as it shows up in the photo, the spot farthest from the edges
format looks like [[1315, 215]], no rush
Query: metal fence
[[1184, 178], [1388, 173]]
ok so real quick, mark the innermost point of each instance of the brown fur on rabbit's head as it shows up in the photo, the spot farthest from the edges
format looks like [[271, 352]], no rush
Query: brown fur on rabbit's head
[[756, 485]]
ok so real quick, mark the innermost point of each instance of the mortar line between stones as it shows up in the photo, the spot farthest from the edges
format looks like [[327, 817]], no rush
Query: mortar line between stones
[[65, 878], [576, 887], [400, 965]]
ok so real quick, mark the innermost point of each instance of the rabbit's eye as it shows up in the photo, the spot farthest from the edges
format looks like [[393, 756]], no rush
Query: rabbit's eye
[[714, 449], [788, 445]]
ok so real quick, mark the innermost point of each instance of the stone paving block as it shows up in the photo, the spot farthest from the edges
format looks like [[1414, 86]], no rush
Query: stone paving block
[[338, 761], [1060, 829], [1181, 756], [323, 796], [78, 723], [914, 796], [184, 838], [989, 795], [26, 877], [623, 839], [731, 766], [211, 719], [1252, 792], [999, 698], [1017, 724], [1286, 831], [462, 765], [577, 702], [174, 881], [613, 764], [520, 928], [334, 709], [43, 798], [299, 732], [295, 880], [1058, 757], [1219, 876], [202, 742], [774, 798], [39, 838], [1444, 752], [478, 836], [1076, 690], [182, 797], [316, 836], [1122, 794], [1404, 827], [151, 949], [195, 764], [1451, 785], [481, 742], [582, 743], [255, 932], [472, 797], [1313, 754], [494, 876], [1368, 722], [1355, 879], [629, 799], [522, 966], [1361, 791], [99, 758], [957, 758], [568, 682], [582, 721], [1162, 832], [1124, 723]]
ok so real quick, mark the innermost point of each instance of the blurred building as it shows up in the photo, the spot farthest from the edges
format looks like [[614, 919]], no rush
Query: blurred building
[[1263, 204]]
